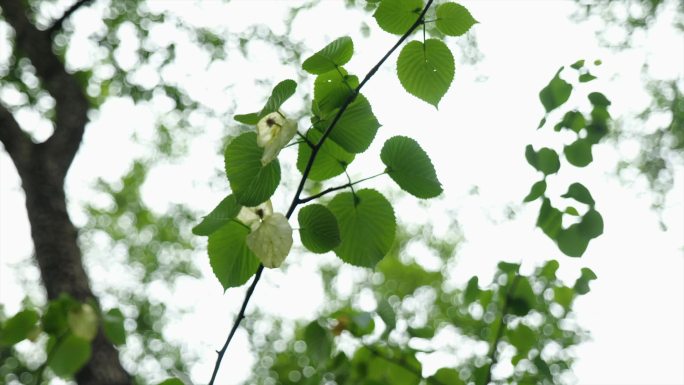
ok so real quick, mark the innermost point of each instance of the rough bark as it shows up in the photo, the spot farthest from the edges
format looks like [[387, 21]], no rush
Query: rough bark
[[43, 168]]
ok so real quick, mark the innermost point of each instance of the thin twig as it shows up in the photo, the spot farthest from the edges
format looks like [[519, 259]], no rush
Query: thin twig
[[305, 175], [57, 25], [331, 189]]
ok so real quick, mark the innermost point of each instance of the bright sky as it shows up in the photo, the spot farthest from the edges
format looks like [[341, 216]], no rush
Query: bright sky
[[635, 310]]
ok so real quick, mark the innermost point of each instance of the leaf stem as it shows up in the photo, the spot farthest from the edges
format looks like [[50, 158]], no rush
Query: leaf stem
[[314, 151], [331, 189]]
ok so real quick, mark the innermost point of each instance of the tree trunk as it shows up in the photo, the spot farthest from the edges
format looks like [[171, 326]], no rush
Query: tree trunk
[[43, 168]]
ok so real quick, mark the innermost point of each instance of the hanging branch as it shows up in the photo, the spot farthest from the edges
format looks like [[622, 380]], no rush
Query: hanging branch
[[297, 200]]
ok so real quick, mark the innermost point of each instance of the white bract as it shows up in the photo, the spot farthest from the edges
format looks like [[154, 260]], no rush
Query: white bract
[[274, 132], [270, 238]]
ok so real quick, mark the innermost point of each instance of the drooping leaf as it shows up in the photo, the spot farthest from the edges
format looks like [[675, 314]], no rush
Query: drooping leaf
[[226, 210], [581, 194], [113, 326], [318, 343], [249, 119], [426, 70], [357, 127], [17, 328], [231, 260], [367, 226], [397, 16], [318, 228], [538, 189], [454, 19], [332, 89], [281, 92], [578, 153], [333, 55], [572, 242], [555, 93], [251, 182], [69, 355], [330, 161], [410, 167], [591, 224]]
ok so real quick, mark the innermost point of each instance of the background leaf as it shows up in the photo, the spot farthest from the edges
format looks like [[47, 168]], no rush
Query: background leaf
[[113, 326], [251, 182], [16, 328], [578, 153], [426, 70], [581, 194], [555, 93], [230, 258], [410, 167], [367, 226], [69, 355]]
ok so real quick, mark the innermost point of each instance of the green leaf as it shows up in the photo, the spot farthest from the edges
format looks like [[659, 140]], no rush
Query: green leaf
[[18, 327], [522, 338], [335, 54], [426, 70], [330, 161], [113, 326], [591, 224], [318, 343], [586, 77], [573, 120], [424, 332], [549, 269], [410, 167], [83, 322], [249, 119], [538, 189], [226, 210], [531, 156], [367, 226], [548, 161], [582, 284], [578, 153], [522, 299], [581, 194], [318, 228], [549, 219], [446, 376], [572, 242], [472, 290], [69, 355], [388, 315], [332, 89], [55, 318], [172, 381], [598, 99], [230, 258], [397, 16], [577, 65], [251, 182], [454, 19], [555, 93], [564, 296], [357, 127], [281, 92]]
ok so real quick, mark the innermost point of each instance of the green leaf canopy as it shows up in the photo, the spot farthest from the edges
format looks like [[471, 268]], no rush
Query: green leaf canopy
[[356, 128], [18, 327], [426, 70], [226, 210], [318, 228], [367, 226], [330, 161], [454, 19], [251, 182], [335, 54], [230, 258], [410, 167], [397, 16]]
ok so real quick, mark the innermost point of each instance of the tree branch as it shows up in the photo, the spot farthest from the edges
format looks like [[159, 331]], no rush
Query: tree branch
[[18, 144], [331, 189], [57, 25], [71, 105], [305, 175]]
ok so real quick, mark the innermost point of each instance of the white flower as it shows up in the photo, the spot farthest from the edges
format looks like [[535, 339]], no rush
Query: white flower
[[274, 132], [270, 238]]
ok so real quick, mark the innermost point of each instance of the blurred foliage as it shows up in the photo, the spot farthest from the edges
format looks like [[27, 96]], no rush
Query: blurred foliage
[[519, 326]]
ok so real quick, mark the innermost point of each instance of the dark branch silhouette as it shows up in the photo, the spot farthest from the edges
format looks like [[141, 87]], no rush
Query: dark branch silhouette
[[57, 25]]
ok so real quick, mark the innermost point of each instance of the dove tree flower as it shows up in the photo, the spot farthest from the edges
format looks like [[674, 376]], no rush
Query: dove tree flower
[[274, 132], [270, 238]]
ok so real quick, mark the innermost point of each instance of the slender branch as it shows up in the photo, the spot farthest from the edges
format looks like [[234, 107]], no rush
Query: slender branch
[[402, 364], [57, 25], [305, 175], [331, 189], [305, 139], [238, 319], [16, 141], [501, 326]]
